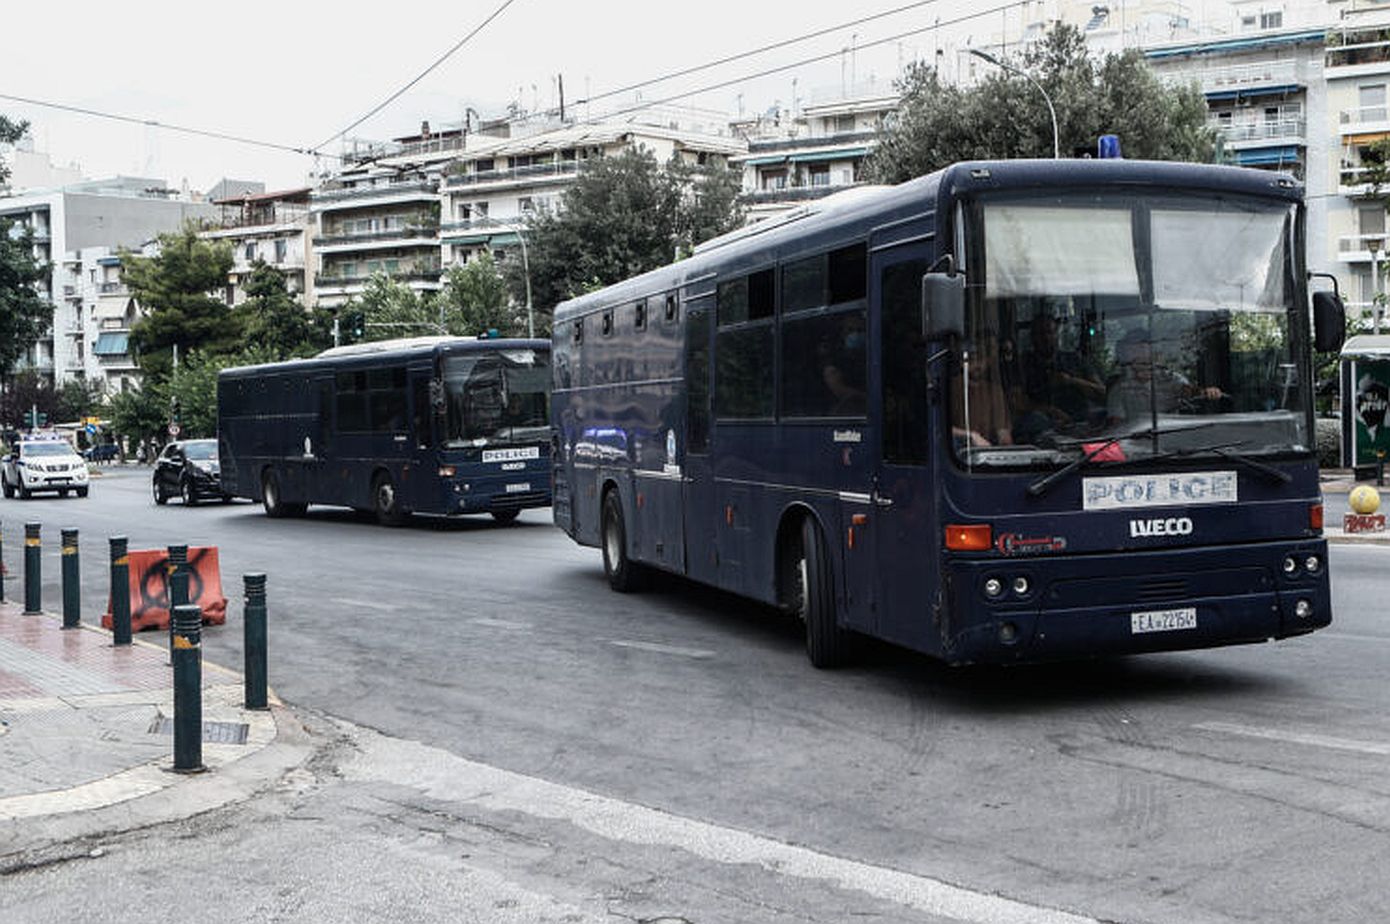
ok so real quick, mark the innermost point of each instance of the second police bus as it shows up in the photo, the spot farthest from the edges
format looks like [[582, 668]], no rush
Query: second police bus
[[1009, 411], [434, 425]]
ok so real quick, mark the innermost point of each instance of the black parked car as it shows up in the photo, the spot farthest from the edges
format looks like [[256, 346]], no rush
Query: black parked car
[[188, 469]]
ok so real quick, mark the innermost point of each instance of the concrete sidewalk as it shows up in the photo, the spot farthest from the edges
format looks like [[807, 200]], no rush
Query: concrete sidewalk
[[86, 735]]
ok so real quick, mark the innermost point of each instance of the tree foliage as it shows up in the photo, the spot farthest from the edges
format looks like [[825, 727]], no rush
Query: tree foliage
[[1004, 116], [474, 299], [391, 309], [23, 314], [10, 132], [275, 320], [172, 287], [622, 216]]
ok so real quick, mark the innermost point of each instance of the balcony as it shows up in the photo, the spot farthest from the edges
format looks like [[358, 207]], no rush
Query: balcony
[[384, 193], [409, 236], [533, 173], [804, 142], [1353, 248], [341, 280], [112, 288], [1255, 134], [1364, 120], [1350, 54], [790, 194], [1243, 80]]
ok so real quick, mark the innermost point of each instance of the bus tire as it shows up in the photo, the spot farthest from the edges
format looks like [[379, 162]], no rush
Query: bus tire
[[827, 644], [624, 575], [506, 516], [386, 501], [271, 499]]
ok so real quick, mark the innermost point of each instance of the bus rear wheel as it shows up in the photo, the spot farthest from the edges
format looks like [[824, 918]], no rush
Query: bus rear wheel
[[624, 575], [386, 502], [273, 501], [827, 644]]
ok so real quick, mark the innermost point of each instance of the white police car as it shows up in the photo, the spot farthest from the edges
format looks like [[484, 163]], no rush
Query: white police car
[[43, 465]]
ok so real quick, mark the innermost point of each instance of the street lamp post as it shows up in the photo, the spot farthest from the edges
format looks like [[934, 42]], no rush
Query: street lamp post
[[1374, 245], [525, 269], [984, 56]]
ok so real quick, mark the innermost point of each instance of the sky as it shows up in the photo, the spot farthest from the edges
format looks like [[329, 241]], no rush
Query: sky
[[297, 74]]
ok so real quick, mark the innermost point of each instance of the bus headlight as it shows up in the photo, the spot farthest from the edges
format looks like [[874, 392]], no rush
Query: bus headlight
[[1290, 565], [1021, 585], [1311, 564], [1303, 609], [993, 587]]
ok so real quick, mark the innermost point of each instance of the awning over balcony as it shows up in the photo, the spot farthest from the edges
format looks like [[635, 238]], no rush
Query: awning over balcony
[[112, 343], [492, 238], [1280, 89], [817, 157], [1262, 157]]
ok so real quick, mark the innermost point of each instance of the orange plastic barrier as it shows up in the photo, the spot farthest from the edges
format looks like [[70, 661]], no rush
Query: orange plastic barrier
[[149, 588]]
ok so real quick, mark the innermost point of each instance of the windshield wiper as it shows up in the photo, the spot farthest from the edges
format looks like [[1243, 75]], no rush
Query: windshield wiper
[[1222, 451], [1041, 486]]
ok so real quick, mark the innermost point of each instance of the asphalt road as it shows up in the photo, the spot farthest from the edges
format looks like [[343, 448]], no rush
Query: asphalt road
[[1243, 784]]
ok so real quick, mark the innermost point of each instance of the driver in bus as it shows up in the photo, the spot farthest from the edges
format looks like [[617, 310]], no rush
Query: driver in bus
[[1143, 381], [989, 420]]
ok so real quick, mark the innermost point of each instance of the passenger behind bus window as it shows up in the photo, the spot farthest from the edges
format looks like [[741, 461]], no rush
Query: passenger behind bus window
[[1144, 384], [983, 419], [1060, 393], [842, 367]]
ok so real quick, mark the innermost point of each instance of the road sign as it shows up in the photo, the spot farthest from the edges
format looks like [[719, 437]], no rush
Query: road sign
[[174, 430], [90, 428]]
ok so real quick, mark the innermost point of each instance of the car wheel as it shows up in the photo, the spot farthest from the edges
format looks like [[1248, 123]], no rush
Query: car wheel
[[5, 487], [386, 502], [25, 493], [82, 492], [189, 493], [157, 488], [62, 492], [827, 644], [624, 574]]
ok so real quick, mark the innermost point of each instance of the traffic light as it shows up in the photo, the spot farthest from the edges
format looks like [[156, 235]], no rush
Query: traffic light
[[174, 409], [35, 419]]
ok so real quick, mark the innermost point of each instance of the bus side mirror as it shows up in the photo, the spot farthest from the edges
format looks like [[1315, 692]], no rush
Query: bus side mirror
[[1329, 322], [943, 305]]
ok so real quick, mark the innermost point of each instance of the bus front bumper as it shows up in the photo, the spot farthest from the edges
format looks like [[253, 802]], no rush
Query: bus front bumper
[[1135, 602]]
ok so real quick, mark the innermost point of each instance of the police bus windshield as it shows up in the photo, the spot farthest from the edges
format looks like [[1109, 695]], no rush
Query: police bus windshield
[[496, 397], [1104, 316]]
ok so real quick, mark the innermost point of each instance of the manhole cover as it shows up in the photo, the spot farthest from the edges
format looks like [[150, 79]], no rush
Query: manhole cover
[[213, 732]]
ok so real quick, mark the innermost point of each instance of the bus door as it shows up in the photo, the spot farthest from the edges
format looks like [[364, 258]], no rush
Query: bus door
[[423, 488], [903, 516], [698, 484], [319, 453]]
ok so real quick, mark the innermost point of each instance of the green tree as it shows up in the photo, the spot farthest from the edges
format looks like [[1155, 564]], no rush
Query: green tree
[[474, 300], [23, 314], [26, 391], [391, 309], [274, 319], [623, 216], [172, 287], [139, 414], [77, 398], [1004, 116]]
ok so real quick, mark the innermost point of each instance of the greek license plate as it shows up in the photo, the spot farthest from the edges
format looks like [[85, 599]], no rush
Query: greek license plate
[[518, 488], [1163, 620]]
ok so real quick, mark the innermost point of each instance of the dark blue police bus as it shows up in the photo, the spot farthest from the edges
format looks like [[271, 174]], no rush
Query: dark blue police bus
[[435, 425], [1009, 411]]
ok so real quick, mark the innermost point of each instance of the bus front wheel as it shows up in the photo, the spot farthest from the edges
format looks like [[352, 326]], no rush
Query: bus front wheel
[[827, 644], [624, 575], [386, 501]]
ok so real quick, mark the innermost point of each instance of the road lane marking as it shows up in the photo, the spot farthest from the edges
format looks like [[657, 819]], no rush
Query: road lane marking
[[499, 623], [1291, 737], [1353, 637], [366, 604], [662, 649], [441, 775]]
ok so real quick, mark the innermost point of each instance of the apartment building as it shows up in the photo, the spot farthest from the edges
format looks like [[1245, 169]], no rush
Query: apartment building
[[811, 150], [114, 213], [271, 228], [100, 316], [497, 185]]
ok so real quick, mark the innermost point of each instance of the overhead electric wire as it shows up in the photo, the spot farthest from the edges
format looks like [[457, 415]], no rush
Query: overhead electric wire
[[757, 51], [154, 123], [438, 61]]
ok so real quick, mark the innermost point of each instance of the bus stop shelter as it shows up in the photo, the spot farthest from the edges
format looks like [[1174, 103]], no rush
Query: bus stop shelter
[[1365, 377]]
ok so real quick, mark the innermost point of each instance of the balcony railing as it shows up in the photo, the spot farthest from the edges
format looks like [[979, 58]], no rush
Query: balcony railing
[[792, 193], [1263, 131], [1358, 244], [394, 187], [497, 225], [1363, 114], [1349, 50], [763, 148], [531, 172], [231, 218], [330, 280], [1245, 77], [112, 288], [367, 237]]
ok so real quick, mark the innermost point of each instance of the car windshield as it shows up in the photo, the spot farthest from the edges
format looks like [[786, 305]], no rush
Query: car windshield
[[1102, 316], [53, 448], [201, 450], [496, 397]]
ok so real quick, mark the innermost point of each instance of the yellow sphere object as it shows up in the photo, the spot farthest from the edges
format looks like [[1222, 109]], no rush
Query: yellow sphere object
[[1364, 499]]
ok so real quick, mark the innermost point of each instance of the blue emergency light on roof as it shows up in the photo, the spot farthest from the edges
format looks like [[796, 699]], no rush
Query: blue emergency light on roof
[[1108, 147], [491, 333]]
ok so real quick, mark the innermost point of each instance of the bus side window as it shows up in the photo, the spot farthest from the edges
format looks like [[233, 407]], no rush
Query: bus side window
[[697, 379], [904, 363], [420, 412]]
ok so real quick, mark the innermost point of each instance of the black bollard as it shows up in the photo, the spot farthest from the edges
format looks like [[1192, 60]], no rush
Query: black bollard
[[33, 589], [187, 657], [254, 634], [72, 580], [120, 591], [176, 577]]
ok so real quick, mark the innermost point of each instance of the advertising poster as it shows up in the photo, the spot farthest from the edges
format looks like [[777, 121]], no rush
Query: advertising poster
[[1371, 398]]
